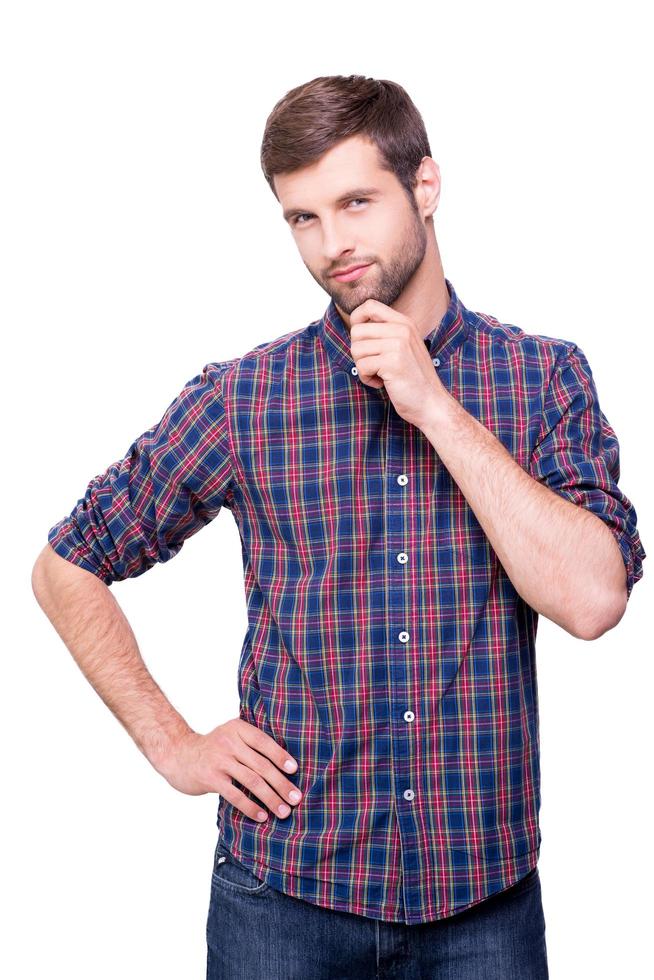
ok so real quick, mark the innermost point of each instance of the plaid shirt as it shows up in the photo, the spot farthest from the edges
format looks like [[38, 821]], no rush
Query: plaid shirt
[[386, 650]]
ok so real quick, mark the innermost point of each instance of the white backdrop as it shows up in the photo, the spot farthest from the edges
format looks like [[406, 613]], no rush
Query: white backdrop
[[139, 240]]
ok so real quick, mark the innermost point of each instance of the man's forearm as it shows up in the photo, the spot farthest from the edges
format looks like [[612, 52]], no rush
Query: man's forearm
[[561, 558], [89, 620]]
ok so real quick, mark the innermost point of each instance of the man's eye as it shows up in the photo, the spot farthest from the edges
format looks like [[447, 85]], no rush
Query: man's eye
[[306, 214]]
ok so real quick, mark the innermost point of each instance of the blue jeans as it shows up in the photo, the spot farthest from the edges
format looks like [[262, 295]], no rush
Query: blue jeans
[[255, 932]]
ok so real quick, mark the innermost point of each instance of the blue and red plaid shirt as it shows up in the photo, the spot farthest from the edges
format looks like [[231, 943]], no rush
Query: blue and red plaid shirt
[[386, 650]]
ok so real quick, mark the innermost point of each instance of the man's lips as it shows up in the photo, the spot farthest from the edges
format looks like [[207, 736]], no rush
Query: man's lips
[[353, 272]]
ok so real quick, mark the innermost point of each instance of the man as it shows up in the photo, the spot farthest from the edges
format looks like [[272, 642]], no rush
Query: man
[[414, 483]]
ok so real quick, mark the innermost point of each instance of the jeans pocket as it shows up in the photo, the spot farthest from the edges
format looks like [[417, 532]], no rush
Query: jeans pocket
[[530, 880], [229, 873]]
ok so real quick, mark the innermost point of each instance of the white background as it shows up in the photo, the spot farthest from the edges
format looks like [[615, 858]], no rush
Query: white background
[[140, 240]]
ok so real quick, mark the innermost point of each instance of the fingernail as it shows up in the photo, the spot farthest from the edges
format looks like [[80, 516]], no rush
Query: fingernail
[[290, 765], [284, 810], [295, 795], [261, 815]]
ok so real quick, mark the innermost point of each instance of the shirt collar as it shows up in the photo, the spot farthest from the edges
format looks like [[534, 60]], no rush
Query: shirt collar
[[441, 342]]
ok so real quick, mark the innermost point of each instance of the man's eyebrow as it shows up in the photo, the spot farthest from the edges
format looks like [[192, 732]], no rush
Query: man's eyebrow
[[348, 195]]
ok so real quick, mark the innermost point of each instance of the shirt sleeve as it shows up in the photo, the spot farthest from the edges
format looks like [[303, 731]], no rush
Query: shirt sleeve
[[577, 454], [172, 481]]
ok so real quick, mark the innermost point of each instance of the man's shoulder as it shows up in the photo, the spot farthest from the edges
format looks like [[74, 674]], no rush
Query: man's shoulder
[[509, 339], [279, 347], [276, 350]]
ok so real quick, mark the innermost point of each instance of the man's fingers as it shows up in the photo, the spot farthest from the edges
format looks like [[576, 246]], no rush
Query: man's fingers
[[260, 788], [243, 803], [267, 746], [259, 763]]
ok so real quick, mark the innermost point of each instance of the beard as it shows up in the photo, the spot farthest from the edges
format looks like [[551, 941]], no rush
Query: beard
[[384, 281]]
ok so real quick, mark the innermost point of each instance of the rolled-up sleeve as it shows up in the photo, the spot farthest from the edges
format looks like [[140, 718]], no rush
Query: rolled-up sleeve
[[577, 454], [172, 481]]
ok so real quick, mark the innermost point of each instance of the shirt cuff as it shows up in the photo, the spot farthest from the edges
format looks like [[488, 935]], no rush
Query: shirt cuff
[[66, 539]]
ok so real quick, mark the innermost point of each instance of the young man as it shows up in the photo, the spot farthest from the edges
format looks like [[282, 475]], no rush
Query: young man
[[414, 483]]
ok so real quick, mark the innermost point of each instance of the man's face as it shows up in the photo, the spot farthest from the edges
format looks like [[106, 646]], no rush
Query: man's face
[[336, 225]]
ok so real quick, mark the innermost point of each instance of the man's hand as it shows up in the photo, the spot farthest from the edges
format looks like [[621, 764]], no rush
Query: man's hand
[[206, 764], [389, 352]]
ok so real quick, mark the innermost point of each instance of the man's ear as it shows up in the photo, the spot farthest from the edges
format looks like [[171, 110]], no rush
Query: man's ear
[[428, 177]]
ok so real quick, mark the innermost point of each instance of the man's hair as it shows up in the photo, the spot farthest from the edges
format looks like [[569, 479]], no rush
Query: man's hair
[[312, 118]]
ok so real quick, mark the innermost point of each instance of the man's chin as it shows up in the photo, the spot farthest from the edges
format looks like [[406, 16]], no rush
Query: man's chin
[[348, 301]]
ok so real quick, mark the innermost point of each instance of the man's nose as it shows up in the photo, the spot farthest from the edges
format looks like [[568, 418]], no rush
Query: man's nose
[[336, 244]]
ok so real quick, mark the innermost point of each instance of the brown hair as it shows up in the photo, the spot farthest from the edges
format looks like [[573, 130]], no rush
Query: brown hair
[[311, 118]]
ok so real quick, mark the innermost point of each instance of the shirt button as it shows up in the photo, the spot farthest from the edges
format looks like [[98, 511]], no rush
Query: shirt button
[[409, 716], [403, 558], [408, 794], [436, 361], [354, 370], [403, 636], [402, 479]]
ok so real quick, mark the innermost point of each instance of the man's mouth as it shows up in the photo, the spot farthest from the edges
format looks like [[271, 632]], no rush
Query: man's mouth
[[353, 272]]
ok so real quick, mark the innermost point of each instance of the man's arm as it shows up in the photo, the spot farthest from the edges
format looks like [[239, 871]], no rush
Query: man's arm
[[562, 559], [87, 617], [89, 620], [172, 481]]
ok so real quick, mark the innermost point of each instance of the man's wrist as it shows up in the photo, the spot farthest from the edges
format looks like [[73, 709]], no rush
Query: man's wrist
[[160, 746]]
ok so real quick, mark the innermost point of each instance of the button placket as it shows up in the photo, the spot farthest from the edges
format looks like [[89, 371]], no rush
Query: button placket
[[403, 636]]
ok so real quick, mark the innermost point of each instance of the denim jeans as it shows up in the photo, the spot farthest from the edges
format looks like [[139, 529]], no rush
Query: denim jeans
[[255, 932]]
